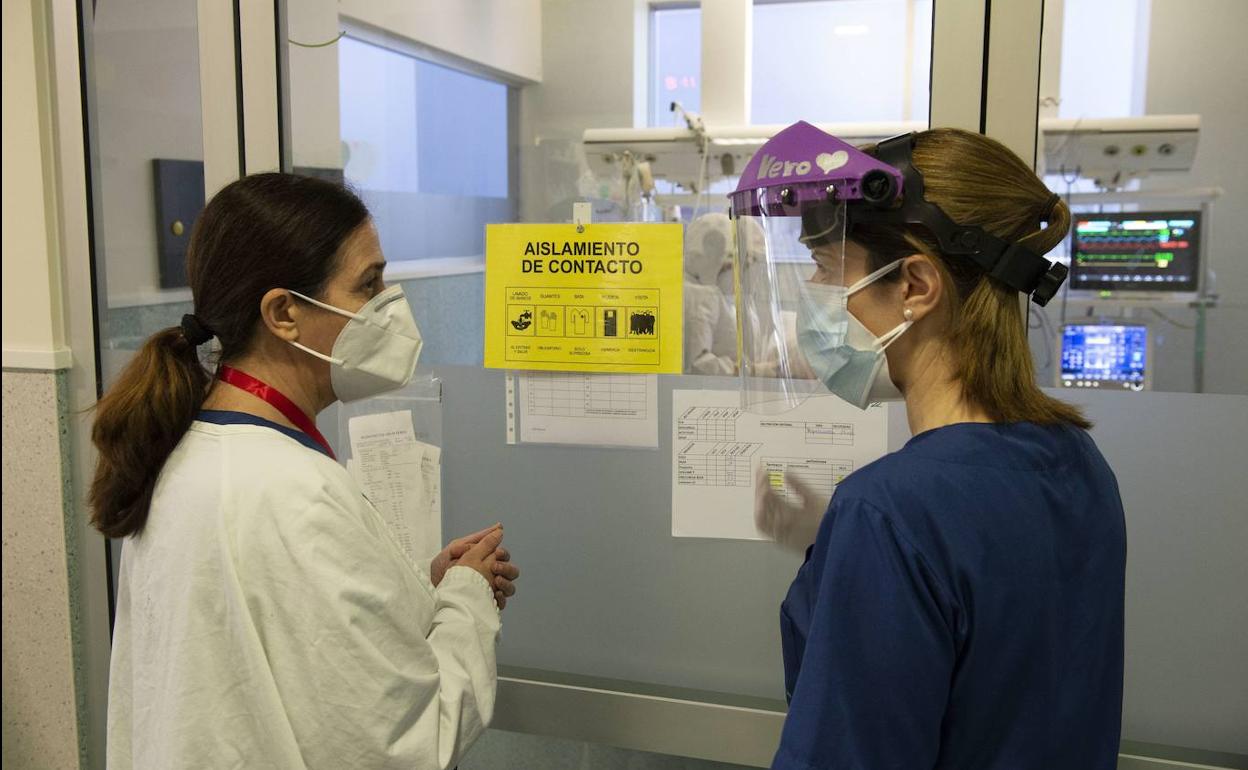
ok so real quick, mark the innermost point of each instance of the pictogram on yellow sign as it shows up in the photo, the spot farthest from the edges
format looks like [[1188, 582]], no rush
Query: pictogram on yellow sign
[[608, 299]]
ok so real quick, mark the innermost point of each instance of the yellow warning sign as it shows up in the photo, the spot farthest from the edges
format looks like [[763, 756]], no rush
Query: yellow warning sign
[[608, 299]]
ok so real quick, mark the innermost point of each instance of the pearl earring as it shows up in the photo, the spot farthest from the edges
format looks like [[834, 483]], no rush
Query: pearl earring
[[909, 314]]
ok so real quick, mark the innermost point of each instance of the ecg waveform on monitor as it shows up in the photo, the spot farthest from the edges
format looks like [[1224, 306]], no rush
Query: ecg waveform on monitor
[[1156, 259], [1130, 243], [1114, 250]]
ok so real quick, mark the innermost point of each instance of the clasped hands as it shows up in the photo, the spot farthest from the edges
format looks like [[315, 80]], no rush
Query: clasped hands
[[484, 552]]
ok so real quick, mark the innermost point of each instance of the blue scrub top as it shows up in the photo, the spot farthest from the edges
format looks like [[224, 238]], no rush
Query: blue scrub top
[[962, 607]]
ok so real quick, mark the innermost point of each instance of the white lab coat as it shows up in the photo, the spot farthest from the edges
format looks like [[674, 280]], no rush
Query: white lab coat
[[266, 618]]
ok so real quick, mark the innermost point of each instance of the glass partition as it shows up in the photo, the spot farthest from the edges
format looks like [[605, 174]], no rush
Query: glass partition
[[1139, 136], [427, 146], [609, 594], [1145, 153], [145, 130], [147, 154]]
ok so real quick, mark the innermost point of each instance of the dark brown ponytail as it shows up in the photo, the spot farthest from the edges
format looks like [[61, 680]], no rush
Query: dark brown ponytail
[[138, 423], [259, 233]]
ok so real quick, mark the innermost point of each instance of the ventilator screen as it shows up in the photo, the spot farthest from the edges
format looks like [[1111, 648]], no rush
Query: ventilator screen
[[1104, 356]]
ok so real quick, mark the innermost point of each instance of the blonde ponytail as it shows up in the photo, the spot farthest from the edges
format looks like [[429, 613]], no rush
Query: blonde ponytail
[[979, 181]]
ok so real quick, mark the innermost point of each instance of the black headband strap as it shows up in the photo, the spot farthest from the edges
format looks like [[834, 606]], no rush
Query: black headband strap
[[1010, 263]]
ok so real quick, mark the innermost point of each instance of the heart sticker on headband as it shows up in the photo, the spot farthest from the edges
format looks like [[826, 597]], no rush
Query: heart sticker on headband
[[831, 161]]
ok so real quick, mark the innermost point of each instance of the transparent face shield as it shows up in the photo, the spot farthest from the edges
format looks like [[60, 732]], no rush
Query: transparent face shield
[[796, 336], [790, 284]]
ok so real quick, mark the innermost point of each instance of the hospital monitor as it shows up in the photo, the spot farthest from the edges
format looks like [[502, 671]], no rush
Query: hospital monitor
[[1105, 356], [1137, 254]]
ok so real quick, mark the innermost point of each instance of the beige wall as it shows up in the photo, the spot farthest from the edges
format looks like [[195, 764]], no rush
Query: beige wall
[[40, 695], [34, 328]]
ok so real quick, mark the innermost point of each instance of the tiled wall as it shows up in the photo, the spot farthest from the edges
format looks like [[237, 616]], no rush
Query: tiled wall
[[40, 720]]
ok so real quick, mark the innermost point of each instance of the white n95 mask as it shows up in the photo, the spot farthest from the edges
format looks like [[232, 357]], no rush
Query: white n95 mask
[[846, 357], [376, 351]]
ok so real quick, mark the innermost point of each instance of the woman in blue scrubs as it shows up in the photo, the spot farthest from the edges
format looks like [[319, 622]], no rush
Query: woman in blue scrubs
[[962, 603]]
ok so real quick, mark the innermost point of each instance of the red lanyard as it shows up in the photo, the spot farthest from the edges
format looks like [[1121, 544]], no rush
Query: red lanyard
[[277, 400]]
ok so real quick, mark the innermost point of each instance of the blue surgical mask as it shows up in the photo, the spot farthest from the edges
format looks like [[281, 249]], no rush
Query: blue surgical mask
[[842, 353]]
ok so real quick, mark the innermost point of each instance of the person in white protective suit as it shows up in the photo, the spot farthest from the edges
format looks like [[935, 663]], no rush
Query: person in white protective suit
[[266, 617], [710, 323]]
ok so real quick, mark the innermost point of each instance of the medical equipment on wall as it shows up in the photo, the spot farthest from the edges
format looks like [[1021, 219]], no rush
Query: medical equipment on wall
[[638, 184], [1111, 151], [1105, 357], [1144, 250], [1114, 151], [695, 159]]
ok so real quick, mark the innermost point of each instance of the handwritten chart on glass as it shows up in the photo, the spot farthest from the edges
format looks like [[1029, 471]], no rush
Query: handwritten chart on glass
[[720, 451]]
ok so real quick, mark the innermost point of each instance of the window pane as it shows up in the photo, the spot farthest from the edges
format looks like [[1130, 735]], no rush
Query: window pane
[[413, 126], [427, 146], [379, 131], [462, 133], [871, 63], [675, 64], [1104, 58]]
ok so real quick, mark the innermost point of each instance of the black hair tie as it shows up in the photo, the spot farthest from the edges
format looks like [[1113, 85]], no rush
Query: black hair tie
[[195, 331]]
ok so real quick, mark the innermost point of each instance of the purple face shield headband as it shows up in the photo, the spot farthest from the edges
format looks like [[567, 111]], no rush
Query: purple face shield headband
[[805, 172]]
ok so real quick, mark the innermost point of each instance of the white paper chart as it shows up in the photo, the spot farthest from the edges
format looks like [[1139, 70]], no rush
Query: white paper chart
[[705, 423], [401, 477], [818, 475], [589, 409], [720, 452], [723, 464]]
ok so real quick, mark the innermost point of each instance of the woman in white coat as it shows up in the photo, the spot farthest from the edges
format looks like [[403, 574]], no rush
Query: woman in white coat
[[266, 618]]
